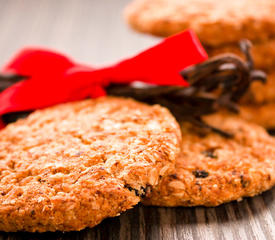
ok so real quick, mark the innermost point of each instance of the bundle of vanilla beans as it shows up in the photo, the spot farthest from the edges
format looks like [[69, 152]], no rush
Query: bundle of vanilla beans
[[217, 83]]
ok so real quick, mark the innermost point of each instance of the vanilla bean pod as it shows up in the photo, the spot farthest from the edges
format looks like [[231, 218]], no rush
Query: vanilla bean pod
[[12, 117], [6, 80], [218, 82]]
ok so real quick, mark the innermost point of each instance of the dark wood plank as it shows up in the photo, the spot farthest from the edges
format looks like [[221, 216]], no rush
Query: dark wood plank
[[93, 31]]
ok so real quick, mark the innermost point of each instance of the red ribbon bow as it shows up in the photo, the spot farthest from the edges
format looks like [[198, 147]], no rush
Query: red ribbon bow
[[54, 78]]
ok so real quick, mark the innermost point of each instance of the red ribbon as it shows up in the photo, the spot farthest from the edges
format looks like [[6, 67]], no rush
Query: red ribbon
[[53, 78]]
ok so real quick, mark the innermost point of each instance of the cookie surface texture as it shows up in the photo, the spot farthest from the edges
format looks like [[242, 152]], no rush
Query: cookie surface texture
[[215, 22], [70, 166], [213, 170], [262, 114]]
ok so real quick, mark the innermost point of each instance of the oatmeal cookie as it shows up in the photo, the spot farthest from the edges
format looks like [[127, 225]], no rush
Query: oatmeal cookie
[[216, 22], [72, 165], [212, 170]]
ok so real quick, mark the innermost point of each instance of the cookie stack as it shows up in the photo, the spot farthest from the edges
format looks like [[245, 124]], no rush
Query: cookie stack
[[70, 166], [220, 26]]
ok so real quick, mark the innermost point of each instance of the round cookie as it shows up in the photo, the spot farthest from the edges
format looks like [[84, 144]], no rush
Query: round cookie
[[212, 170], [70, 166], [262, 115], [215, 22]]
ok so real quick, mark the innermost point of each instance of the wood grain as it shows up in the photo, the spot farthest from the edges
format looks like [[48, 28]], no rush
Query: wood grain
[[93, 31]]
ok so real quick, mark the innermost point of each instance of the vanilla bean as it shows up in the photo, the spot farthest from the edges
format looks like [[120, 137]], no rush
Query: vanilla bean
[[245, 46], [6, 80], [271, 132], [12, 117], [217, 83]]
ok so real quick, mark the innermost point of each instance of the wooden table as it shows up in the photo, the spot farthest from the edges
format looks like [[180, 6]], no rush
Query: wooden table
[[93, 31]]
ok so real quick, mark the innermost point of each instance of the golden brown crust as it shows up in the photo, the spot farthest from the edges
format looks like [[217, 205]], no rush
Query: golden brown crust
[[70, 166], [263, 53], [215, 22], [263, 115], [213, 170]]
